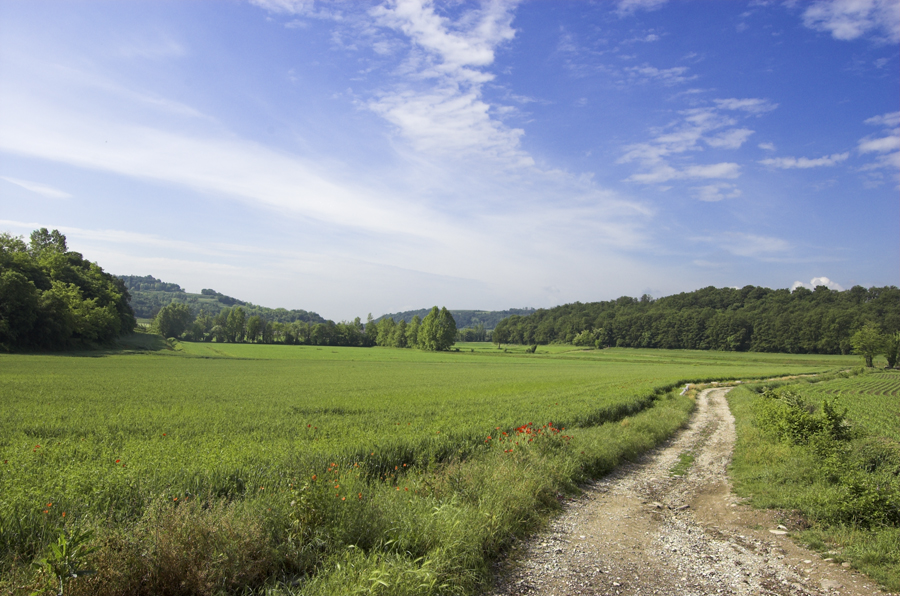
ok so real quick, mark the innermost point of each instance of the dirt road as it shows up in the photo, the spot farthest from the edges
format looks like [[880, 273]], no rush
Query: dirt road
[[641, 531]]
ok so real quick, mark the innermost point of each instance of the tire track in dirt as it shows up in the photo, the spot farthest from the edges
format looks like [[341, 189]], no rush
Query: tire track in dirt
[[642, 531]]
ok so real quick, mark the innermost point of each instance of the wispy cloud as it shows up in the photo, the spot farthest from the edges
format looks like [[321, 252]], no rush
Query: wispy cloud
[[437, 104], [717, 192], [753, 245], [851, 19], [886, 148], [666, 76], [752, 105], [36, 187], [629, 7], [696, 128], [790, 163]]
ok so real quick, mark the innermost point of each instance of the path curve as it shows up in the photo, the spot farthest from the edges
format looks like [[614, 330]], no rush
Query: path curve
[[641, 531]]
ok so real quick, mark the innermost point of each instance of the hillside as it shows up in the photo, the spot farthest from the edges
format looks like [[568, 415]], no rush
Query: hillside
[[463, 318], [149, 294]]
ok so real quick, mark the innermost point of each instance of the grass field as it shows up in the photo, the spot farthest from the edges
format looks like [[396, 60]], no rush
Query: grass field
[[841, 491], [227, 468]]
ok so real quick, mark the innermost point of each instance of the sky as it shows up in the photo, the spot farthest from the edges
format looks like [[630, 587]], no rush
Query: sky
[[373, 157]]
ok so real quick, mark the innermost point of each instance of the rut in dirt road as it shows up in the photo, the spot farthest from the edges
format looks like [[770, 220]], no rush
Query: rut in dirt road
[[642, 530]]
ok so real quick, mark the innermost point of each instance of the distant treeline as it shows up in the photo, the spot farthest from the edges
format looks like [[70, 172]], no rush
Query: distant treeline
[[471, 319], [149, 295], [52, 298], [756, 319], [436, 331]]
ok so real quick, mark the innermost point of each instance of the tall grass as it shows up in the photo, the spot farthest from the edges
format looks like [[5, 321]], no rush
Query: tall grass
[[319, 470]]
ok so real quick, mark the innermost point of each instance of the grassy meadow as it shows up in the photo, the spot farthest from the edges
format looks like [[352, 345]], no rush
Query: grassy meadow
[[205, 468], [838, 486]]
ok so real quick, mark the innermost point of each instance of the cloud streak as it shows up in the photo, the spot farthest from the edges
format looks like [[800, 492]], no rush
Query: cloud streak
[[36, 187], [803, 163]]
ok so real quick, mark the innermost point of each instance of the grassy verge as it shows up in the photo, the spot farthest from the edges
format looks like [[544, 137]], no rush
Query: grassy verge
[[814, 452]]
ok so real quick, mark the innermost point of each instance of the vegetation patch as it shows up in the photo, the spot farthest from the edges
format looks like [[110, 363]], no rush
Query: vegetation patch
[[311, 470], [828, 451]]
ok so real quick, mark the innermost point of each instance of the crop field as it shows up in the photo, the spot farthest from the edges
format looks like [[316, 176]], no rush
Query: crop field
[[873, 402], [845, 483], [227, 468]]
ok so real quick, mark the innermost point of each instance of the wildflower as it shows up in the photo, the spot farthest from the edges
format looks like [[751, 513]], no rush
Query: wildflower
[[314, 477], [118, 460], [406, 489], [175, 498], [343, 498], [337, 486], [360, 495], [164, 434], [49, 505], [63, 513]]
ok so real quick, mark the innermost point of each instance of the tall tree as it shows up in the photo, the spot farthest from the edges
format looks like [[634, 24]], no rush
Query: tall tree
[[868, 342]]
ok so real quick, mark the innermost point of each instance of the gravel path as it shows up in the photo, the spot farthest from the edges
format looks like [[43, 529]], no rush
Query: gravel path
[[641, 531]]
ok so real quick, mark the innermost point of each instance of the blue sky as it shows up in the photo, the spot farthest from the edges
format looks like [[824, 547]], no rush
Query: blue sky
[[350, 157]]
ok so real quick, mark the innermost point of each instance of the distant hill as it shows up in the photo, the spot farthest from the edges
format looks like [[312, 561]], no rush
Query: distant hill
[[464, 318], [149, 294]]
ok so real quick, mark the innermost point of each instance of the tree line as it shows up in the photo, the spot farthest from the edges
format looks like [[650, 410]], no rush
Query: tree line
[[436, 332], [52, 298], [757, 319]]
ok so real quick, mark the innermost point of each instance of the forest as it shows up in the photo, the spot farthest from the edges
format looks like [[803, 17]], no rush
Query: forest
[[53, 298], [756, 319]]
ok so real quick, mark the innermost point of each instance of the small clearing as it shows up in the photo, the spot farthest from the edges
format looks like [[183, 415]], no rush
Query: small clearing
[[669, 524]]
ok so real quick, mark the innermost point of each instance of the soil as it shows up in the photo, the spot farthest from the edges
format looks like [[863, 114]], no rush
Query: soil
[[642, 530]]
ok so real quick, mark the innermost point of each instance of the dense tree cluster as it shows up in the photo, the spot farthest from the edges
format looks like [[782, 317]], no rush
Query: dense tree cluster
[[464, 319], [52, 298], [820, 321], [436, 332]]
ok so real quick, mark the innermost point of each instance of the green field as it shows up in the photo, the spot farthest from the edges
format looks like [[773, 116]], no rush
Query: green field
[[222, 468], [844, 486]]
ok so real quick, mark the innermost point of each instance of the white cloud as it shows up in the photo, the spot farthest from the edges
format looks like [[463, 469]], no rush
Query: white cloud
[[788, 163], [889, 120], [880, 145], [438, 104], [751, 105], [730, 139], [767, 146], [286, 6], [717, 192], [37, 187], [817, 281], [851, 19], [629, 7], [667, 76], [664, 173]]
